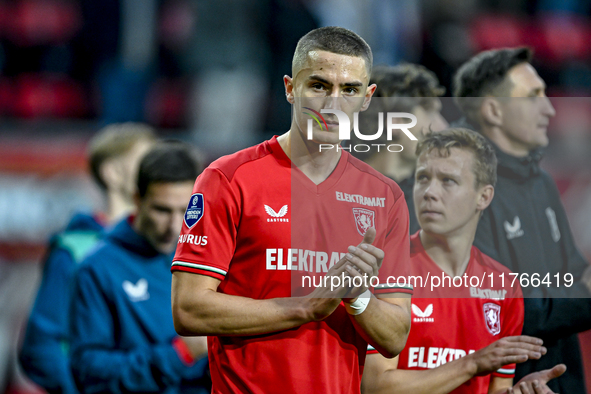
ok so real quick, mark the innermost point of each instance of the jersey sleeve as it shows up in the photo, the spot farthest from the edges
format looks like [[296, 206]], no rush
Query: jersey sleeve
[[511, 324], [395, 268], [208, 235]]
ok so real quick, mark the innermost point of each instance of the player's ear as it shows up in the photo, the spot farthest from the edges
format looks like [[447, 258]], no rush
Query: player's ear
[[485, 196], [288, 83], [110, 174], [491, 111], [368, 94]]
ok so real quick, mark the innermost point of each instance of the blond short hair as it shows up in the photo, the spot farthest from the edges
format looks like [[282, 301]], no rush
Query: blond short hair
[[115, 140], [485, 159]]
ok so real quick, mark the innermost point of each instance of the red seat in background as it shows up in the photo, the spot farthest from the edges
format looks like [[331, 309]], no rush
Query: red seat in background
[[48, 96], [41, 22], [490, 31], [166, 103], [560, 37]]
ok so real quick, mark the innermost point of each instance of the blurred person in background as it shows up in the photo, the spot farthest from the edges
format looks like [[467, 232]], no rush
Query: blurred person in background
[[114, 154], [407, 88], [525, 227], [122, 335]]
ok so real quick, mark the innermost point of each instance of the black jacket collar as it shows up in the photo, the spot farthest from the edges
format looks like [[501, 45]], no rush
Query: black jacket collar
[[519, 168]]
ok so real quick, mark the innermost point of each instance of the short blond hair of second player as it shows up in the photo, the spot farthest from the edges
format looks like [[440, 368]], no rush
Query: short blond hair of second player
[[485, 160]]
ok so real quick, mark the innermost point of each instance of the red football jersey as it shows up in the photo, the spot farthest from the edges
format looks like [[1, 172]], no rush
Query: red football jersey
[[261, 226], [446, 328]]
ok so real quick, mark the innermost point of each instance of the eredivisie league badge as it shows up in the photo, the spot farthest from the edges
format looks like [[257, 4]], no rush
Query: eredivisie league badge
[[194, 210]]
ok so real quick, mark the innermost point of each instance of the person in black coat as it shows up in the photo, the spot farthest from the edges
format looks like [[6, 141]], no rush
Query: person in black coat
[[525, 227]]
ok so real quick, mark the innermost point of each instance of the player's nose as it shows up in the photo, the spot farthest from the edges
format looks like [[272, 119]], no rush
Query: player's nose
[[333, 102], [547, 107], [431, 190]]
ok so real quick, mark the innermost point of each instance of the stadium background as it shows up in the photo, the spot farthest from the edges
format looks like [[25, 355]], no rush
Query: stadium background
[[210, 72]]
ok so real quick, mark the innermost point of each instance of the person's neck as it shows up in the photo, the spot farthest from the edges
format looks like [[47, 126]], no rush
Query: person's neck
[[450, 253], [392, 165], [118, 206], [505, 144], [307, 156]]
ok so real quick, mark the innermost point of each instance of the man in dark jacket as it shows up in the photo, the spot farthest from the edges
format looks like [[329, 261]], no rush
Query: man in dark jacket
[[525, 227], [122, 335], [114, 154]]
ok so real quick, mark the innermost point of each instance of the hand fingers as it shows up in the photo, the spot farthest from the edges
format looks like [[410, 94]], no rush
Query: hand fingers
[[514, 359], [370, 250], [366, 244], [369, 236], [508, 347], [520, 355], [524, 338], [540, 388], [366, 262], [520, 343], [373, 250], [526, 388], [510, 356], [363, 266], [339, 266], [355, 291], [553, 373], [530, 350]]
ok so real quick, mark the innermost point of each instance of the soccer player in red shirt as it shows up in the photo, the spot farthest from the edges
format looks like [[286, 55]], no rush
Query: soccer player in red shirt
[[466, 321], [265, 219]]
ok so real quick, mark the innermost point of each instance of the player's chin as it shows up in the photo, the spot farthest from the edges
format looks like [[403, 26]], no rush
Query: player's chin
[[543, 141], [429, 226], [166, 246], [326, 137]]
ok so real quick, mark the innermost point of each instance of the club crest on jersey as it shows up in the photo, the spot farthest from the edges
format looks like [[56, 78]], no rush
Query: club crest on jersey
[[492, 317], [364, 219], [194, 210]]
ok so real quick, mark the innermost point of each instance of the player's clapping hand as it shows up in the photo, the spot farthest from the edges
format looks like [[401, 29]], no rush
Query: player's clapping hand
[[363, 261], [325, 299], [508, 350], [535, 383]]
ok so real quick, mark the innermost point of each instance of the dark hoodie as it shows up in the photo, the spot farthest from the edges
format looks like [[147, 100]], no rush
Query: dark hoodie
[[526, 229], [44, 353], [122, 335]]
